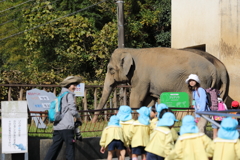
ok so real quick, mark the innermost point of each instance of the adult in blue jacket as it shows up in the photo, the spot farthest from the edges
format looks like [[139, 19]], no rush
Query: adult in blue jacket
[[64, 129]]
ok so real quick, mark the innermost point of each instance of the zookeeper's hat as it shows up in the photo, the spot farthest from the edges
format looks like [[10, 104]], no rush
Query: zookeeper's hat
[[193, 77], [70, 80]]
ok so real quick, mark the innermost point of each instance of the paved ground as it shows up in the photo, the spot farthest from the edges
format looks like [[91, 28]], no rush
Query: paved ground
[[126, 158]]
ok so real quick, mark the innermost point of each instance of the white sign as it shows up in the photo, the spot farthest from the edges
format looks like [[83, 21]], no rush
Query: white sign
[[39, 100], [14, 135], [14, 127], [79, 91]]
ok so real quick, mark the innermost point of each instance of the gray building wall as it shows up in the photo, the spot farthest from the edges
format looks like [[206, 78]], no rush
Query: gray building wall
[[215, 24]]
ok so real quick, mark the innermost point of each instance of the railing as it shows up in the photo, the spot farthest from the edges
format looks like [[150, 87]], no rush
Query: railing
[[88, 126], [90, 100], [234, 113], [87, 105]]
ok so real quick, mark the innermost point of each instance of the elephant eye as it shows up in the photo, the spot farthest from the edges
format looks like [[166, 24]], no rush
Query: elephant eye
[[111, 71]]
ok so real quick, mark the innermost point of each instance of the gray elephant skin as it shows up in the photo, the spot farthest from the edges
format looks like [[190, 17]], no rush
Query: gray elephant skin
[[223, 80], [151, 71]]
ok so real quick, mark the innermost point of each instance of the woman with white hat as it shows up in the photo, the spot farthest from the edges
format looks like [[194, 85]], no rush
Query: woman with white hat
[[199, 100], [64, 129]]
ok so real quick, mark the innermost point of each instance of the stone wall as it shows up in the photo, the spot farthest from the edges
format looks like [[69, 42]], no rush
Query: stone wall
[[38, 147]]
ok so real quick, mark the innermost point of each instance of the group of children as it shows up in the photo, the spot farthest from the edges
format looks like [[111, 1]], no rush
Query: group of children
[[153, 137]]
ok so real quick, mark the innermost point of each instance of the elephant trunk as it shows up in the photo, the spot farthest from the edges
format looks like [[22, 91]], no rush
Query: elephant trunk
[[107, 89]]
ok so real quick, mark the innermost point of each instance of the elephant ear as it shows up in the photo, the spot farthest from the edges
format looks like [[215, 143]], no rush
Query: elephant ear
[[126, 62]]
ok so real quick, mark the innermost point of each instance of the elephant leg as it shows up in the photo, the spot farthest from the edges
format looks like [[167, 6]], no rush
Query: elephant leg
[[137, 96], [149, 101]]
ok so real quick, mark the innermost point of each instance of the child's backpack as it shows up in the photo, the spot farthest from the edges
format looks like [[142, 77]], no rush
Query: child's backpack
[[221, 107], [212, 98], [54, 112]]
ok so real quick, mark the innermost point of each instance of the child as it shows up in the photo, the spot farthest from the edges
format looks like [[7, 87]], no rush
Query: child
[[190, 145], [113, 138], [235, 105], [125, 116], [165, 109], [154, 114], [227, 145], [221, 107], [161, 141], [139, 133]]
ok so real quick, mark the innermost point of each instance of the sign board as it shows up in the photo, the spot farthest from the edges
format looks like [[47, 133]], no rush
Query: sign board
[[39, 100], [175, 99], [14, 127], [79, 91]]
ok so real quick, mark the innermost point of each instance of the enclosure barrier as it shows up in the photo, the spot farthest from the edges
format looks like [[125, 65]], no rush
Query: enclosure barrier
[[88, 126], [86, 105], [227, 113], [92, 94]]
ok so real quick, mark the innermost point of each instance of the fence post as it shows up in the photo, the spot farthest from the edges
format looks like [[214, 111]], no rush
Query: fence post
[[95, 98], [115, 98], [125, 96], [54, 90], [105, 113], [85, 104], [21, 94], [9, 93]]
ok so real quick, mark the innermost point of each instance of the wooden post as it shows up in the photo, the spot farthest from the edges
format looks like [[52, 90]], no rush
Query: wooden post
[[85, 105], [105, 113], [54, 90], [125, 96], [21, 94], [120, 24], [9, 93], [115, 98], [95, 98]]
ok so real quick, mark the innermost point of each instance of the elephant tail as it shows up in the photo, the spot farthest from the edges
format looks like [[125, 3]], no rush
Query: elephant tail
[[225, 82], [214, 79]]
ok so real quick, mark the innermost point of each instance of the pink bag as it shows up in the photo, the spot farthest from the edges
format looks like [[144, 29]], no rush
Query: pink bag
[[221, 107]]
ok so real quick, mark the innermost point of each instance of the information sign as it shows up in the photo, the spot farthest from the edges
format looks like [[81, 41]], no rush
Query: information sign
[[79, 91], [175, 99], [14, 127], [39, 100]]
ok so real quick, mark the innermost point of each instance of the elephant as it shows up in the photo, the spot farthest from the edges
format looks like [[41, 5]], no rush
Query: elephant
[[151, 71], [222, 73]]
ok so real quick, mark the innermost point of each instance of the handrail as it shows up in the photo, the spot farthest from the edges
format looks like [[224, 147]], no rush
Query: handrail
[[220, 113]]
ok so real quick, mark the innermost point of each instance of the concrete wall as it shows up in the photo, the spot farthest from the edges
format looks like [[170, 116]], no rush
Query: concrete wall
[[213, 23], [37, 149]]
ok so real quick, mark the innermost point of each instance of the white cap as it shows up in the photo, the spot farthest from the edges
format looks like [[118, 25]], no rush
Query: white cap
[[220, 99], [193, 77]]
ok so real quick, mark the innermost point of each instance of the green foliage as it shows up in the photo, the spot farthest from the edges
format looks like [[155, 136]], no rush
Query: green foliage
[[80, 44]]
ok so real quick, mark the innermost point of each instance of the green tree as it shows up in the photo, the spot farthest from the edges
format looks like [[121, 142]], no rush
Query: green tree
[[77, 44]]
